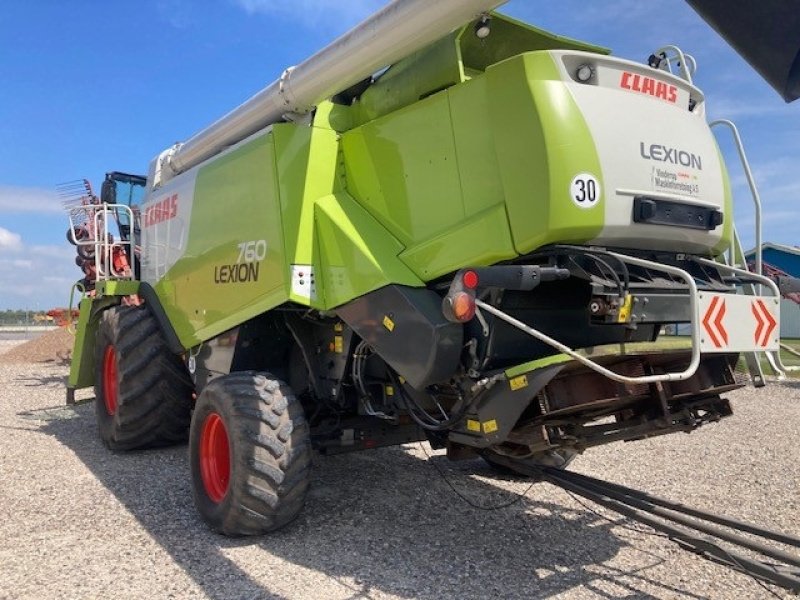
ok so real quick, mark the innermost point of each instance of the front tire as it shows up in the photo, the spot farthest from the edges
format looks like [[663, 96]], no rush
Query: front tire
[[143, 393], [250, 454]]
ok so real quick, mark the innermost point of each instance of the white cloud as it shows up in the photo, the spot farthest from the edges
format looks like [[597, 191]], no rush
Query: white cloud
[[35, 276], [17, 199], [316, 14], [9, 240], [780, 194], [57, 252]]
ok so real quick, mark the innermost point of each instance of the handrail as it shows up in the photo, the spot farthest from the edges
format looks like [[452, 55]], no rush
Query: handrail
[[101, 243], [686, 62], [75, 286], [679, 376], [750, 182]]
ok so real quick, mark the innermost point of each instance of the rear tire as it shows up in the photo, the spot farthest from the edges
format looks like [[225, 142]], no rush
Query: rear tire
[[250, 454], [143, 393]]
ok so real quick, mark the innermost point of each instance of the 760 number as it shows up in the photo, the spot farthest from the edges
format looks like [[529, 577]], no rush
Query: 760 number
[[253, 251]]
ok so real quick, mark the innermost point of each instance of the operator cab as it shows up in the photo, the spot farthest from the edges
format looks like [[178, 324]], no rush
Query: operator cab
[[128, 190]]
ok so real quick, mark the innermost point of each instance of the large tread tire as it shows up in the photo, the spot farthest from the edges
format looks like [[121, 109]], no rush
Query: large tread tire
[[268, 454], [143, 391]]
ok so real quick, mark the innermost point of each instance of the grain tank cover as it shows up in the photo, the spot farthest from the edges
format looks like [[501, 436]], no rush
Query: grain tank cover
[[605, 151]]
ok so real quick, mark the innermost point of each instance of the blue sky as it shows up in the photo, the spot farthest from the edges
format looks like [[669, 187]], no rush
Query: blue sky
[[88, 87]]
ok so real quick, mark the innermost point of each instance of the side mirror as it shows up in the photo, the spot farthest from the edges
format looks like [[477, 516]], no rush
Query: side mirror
[[108, 192]]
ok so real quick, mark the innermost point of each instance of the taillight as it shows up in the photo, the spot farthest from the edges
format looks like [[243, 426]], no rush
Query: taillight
[[470, 279], [463, 306]]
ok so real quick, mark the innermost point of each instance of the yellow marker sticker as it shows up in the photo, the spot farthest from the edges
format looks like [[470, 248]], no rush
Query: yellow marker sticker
[[518, 382], [625, 310], [388, 323], [473, 425], [337, 344], [490, 426], [389, 390]]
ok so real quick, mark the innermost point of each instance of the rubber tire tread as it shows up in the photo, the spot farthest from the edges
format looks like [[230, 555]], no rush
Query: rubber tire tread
[[154, 389], [270, 448]]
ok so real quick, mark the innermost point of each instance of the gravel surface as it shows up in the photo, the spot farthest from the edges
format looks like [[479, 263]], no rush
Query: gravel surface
[[80, 522], [53, 346]]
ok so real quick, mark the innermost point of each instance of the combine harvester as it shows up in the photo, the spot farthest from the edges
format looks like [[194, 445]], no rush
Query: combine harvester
[[477, 246]]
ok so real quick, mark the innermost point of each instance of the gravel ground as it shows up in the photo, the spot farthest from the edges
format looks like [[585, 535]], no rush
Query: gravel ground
[[53, 346], [80, 522]]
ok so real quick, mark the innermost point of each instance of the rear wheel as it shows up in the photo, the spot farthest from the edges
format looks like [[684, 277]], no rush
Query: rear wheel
[[143, 393], [250, 453]]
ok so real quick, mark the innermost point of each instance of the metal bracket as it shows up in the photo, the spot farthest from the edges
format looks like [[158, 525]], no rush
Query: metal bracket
[[685, 374]]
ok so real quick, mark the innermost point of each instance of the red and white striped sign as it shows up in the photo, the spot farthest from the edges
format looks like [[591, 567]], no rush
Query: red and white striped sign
[[738, 323], [766, 324]]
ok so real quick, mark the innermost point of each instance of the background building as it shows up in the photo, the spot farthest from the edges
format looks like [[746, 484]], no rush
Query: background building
[[778, 259]]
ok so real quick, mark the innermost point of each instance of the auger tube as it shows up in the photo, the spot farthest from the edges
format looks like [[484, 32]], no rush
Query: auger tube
[[401, 28]]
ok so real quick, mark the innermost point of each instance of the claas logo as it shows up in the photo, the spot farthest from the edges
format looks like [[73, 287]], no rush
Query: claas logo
[[649, 86], [161, 211]]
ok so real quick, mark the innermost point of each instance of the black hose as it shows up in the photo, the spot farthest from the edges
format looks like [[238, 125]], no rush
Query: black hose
[[432, 423]]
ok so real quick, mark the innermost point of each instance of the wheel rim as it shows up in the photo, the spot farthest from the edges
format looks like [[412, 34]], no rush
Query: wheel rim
[[215, 465], [110, 380]]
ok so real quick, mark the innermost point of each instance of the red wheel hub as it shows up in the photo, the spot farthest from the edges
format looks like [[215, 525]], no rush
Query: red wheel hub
[[215, 457], [110, 380]]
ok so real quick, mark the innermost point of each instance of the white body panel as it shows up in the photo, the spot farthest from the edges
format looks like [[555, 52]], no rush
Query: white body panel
[[164, 240], [165, 219], [738, 323], [649, 144]]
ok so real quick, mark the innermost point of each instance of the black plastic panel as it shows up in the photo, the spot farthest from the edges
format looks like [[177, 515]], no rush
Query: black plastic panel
[[407, 328], [665, 212]]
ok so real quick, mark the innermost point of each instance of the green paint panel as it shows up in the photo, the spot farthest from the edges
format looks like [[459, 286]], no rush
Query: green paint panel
[[482, 240], [541, 141], [595, 352], [427, 173], [727, 210], [402, 168], [510, 37], [358, 255], [447, 62], [307, 163], [432, 69], [82, 368], [213, 286], [539, 363], [117, 288], [479, 173]]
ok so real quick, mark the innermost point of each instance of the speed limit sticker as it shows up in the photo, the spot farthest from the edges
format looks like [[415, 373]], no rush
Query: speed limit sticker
[[585, 190]]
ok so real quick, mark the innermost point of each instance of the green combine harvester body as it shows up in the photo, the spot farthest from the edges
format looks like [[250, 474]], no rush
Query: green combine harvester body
[[460, 159], [478, 246]]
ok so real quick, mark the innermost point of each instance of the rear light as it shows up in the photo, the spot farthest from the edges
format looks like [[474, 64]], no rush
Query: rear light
[[470, 280], [584, 73], [463, 306]]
